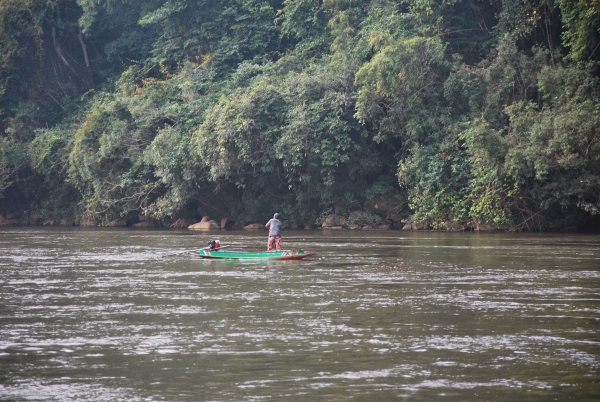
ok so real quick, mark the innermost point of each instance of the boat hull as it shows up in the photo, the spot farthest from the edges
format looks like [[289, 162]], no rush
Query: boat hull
[[283, 255]]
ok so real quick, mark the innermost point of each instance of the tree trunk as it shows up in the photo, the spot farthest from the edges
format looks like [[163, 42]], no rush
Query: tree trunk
[[58, 49], [85, 54]]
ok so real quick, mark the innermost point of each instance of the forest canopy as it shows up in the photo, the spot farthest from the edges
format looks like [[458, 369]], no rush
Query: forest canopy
[[440, 114]]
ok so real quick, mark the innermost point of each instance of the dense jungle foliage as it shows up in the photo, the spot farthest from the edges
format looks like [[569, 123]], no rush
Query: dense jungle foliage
[[447, 114]]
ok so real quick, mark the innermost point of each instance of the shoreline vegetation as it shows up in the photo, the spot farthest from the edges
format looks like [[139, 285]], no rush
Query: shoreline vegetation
[[207, 224], [461, 115]]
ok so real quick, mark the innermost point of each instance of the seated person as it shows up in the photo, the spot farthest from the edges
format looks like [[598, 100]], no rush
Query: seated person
[[214, 244]]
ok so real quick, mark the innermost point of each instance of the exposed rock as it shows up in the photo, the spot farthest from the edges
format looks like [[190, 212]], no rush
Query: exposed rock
[[8, 221], [333, 227], [205, 224], [491, 228], [67, 222], [455, 227], [180, 224], [226, 223], [332, 221], [205, 219], [48, 222], [309, 226], [383, 227], [415, 226], [353, 227], [117, 223], [254, 226], [144, 224]]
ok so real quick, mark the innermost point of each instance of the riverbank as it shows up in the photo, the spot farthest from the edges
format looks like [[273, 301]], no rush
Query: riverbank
[[355, 221]]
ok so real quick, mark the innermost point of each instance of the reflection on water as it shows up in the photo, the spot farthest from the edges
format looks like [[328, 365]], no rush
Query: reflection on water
[[89, 315]]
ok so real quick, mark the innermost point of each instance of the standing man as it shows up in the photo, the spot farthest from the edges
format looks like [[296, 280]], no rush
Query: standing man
[[274, 226]]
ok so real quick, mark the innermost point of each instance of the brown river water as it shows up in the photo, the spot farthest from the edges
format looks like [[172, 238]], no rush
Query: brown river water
[[113, 315]]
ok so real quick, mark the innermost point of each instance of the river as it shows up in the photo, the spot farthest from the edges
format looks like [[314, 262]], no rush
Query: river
[[113, 315]]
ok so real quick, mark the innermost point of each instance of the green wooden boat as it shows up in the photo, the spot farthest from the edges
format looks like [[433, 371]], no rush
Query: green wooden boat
[[283, 255]]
